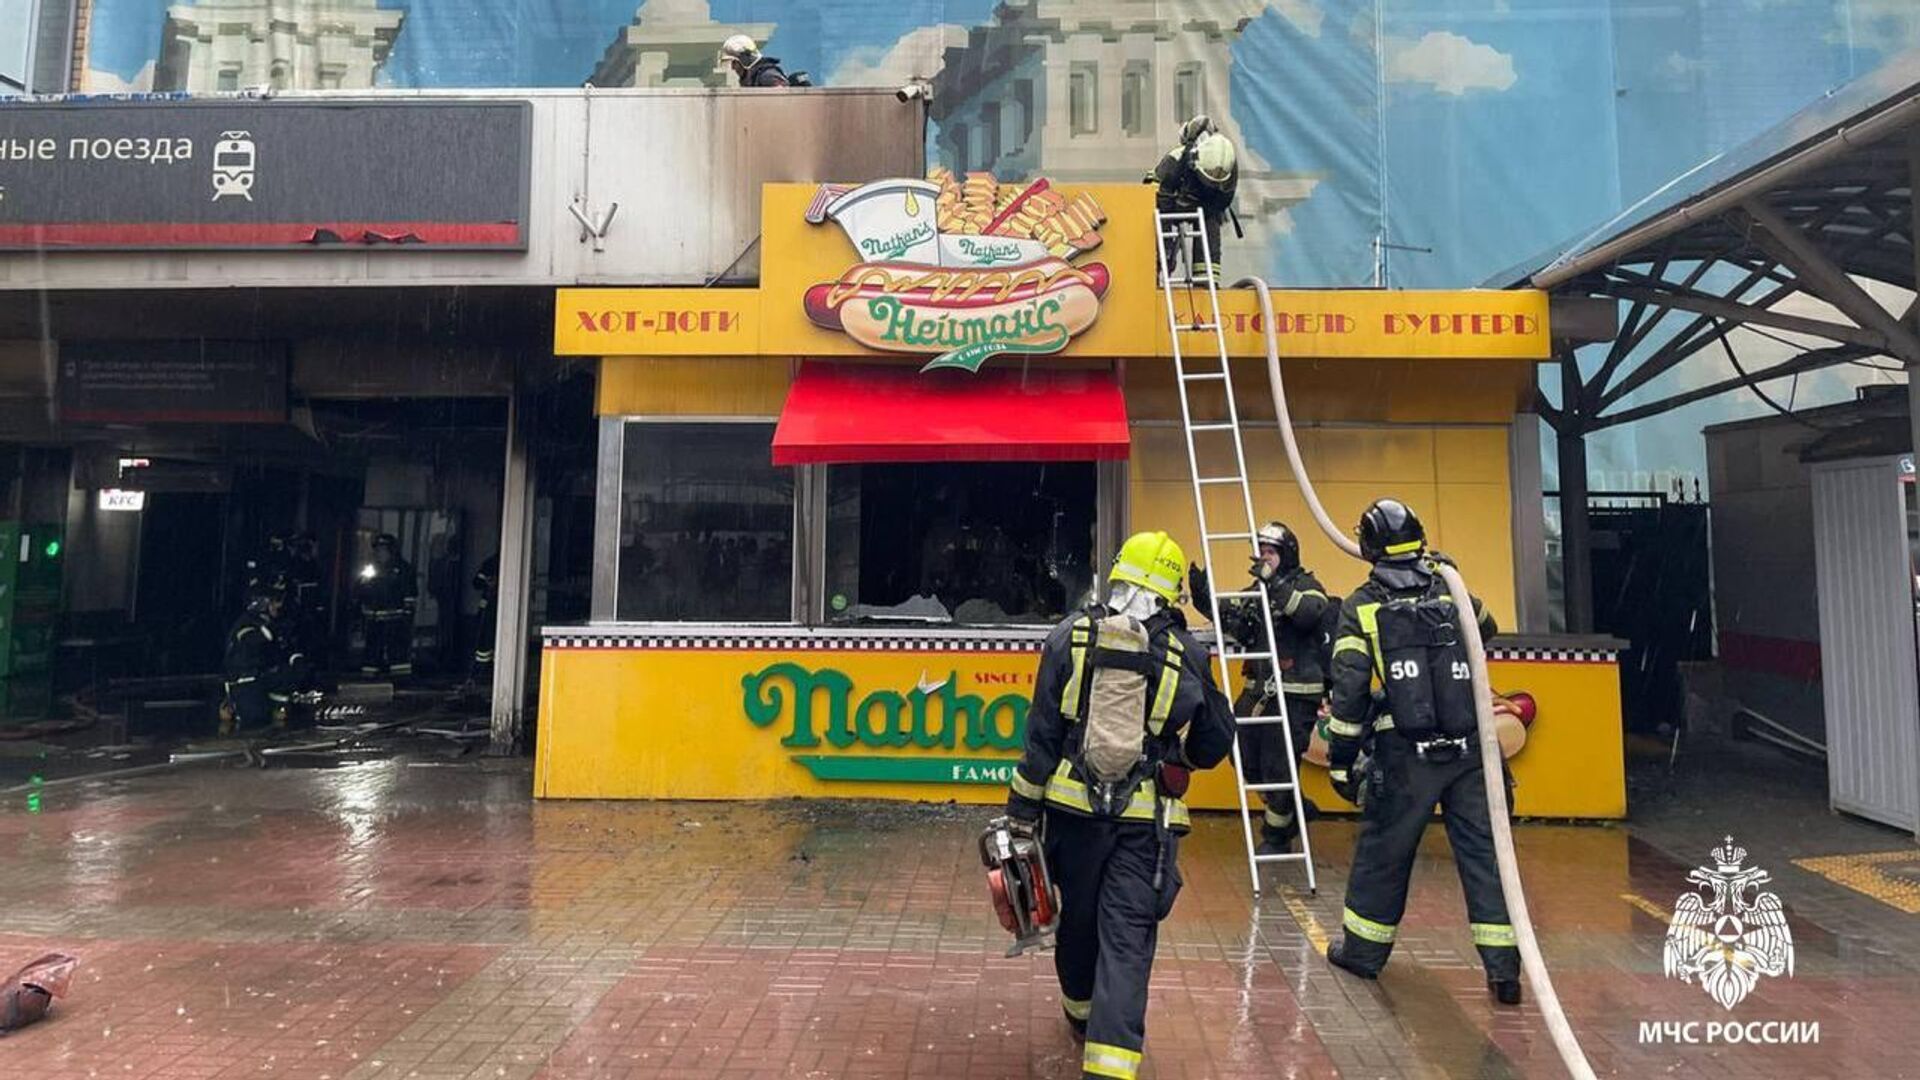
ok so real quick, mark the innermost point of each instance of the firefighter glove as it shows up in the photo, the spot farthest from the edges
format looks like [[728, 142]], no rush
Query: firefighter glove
[[1201, 588]]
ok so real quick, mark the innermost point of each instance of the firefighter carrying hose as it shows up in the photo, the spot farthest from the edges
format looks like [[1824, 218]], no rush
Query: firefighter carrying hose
[[387, 593], [1124, 707], [1301, 614], [1199, 173], [1399, 626]]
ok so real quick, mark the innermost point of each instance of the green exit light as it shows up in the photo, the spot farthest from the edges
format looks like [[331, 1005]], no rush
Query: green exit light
[[53, 549]]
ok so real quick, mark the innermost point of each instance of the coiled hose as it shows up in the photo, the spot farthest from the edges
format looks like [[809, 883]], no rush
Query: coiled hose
[[1491, 760]]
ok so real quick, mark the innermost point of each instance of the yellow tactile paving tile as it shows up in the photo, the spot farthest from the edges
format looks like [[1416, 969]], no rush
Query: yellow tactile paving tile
[[1868, 875]]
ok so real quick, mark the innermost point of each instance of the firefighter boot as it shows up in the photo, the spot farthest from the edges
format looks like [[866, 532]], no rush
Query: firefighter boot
[[1505, 991], [1345, 955]]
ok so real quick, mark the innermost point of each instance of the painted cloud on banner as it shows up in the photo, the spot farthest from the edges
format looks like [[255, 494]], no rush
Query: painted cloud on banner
[[1449, 63], [106, 82], [919, 53], [1305, 15]]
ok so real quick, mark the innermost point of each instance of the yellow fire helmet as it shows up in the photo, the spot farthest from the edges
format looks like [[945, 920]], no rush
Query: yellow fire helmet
[[1153, 561], [1213, 156]]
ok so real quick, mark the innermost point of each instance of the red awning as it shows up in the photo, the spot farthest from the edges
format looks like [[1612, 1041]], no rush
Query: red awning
[[847, 413]]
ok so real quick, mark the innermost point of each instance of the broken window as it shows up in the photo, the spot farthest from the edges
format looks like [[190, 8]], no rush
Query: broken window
[[972, 543]]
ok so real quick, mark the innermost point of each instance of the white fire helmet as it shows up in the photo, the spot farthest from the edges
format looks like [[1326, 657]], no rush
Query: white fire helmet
[[738, 50], [1213, 156]]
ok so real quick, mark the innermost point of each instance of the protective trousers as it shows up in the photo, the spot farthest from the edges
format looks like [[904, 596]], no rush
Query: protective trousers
[[389, 644], [486, 625], [1169, 202], [1110, 916], [1397, 811], [1263, 754]]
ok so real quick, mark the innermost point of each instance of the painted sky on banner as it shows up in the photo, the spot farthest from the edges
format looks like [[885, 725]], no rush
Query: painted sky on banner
[[1485, 130]]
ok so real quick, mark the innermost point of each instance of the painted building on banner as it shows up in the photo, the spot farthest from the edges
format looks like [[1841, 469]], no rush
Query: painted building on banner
[[671, 43], [227, 45], [839, 510], [1096, 90]]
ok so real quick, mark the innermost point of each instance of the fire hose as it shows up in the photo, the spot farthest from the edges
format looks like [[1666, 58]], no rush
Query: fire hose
[[1491, 759]]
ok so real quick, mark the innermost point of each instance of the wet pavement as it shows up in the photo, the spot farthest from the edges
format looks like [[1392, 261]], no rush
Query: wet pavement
[[417, 917]]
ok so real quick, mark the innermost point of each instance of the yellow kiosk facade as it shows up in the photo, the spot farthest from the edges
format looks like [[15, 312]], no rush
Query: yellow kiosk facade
[[838, 512]]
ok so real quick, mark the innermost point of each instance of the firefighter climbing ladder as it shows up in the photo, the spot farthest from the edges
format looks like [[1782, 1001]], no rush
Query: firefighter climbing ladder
[[1174, 229]]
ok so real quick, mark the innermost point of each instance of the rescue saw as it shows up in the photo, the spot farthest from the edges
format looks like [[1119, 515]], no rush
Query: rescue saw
[[1021, 887]]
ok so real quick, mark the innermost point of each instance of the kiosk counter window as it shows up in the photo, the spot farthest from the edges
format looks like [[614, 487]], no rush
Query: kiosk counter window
[[706, 524], [962, 544]]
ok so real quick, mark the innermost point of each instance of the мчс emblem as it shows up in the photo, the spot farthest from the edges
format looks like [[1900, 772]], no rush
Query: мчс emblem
[[1728, 933], [966, 269]]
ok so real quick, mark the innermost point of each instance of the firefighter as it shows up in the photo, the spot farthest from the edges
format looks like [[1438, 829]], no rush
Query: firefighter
[[755, 69], [387, 593], [486, 582], [1199, 173], [269, 564], [1398, 627], [1124, 707], [306, 609], [1300, 608], [261, 671]]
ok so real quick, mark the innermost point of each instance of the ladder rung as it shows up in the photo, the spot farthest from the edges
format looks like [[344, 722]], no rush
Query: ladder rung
[[1258, 721], [1196, 376], [1267, 787], [1213, 427], [1245, 594], [1228, 536], [1222, 480], [1232, 656], [1197, 328], [1291, 856]]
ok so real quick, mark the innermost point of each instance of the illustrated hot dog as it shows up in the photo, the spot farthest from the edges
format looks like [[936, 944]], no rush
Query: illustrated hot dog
[[969, 291]]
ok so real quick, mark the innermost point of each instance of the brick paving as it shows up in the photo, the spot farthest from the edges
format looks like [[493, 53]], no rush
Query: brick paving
[[400, 919]]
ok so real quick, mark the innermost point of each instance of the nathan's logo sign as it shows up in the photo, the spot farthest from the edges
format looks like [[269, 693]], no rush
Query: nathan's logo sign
[[821, 711], [965, 269]]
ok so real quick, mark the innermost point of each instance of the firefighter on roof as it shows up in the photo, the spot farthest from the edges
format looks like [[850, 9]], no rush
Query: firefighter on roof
[[1124, 706], [1199, 173]]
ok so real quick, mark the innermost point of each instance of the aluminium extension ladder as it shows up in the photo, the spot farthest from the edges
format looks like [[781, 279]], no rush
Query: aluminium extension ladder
[[1178, 227]]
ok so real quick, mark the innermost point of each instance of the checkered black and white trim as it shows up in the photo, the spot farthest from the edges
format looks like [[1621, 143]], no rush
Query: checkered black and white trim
[[1555, 656], [804, 639], [796, 640]]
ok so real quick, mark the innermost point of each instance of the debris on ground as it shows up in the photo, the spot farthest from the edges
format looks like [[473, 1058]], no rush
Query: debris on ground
[[27, 996]]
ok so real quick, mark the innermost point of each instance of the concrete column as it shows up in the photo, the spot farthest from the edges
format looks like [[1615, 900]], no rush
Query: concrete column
[[1529, 525], [1913, 370], [1576, 534], [516, 550], [603, 605]]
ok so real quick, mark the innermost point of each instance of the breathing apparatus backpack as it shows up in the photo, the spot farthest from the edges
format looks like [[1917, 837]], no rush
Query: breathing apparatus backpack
[[1425, 670], [1120, 677]]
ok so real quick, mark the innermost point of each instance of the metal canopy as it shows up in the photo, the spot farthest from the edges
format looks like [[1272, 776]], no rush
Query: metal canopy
[[1806, 211], [1800, 212]]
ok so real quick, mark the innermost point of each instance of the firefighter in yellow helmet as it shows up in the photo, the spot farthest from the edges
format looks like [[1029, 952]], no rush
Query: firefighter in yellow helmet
[[1199, 173], [1124, 707]]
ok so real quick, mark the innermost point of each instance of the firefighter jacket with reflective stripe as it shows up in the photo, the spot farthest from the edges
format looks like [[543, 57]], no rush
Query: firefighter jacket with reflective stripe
[[1188, 723], [1298, 604], [1357, 659], [254, 647]]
